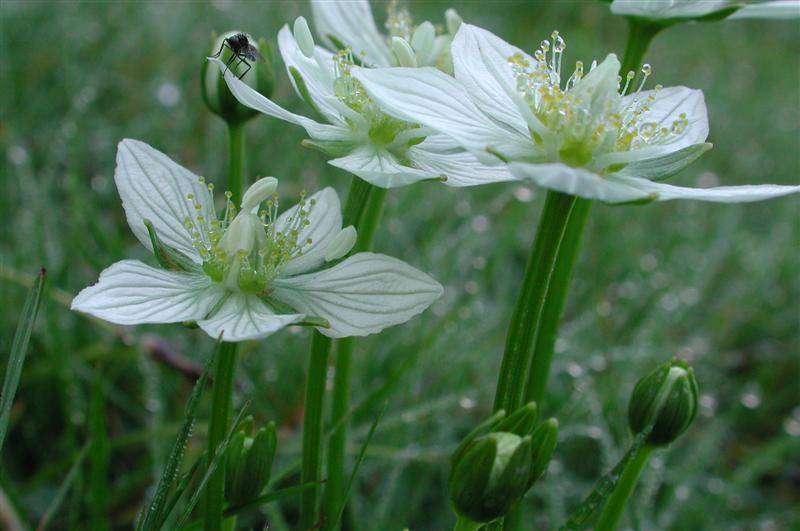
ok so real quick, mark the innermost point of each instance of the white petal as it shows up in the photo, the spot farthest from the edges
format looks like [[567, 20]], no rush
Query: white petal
[[665, 165], [669, 104], [480, 62], [719, 194], [379, 167], [243, 317], [362, 295], [317, 74], [351, 23], [432, 98], [325, 223], [459, 167], [577, 181], [251, 98], [785, 9], [661, 9], [131, 292], [154, 187]]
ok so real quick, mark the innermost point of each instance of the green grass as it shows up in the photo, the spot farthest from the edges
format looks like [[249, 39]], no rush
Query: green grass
[[715, 284]]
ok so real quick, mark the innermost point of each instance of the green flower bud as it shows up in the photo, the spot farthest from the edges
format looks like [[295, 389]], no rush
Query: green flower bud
[[497, 463], [249, 462], [218, 97], [665, 399]]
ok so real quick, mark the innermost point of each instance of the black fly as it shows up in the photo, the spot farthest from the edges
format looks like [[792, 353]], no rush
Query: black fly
[[242, 50]]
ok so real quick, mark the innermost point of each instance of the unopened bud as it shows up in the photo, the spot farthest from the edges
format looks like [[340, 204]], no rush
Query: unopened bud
[[249, 460], [260, 76], [665, 399]]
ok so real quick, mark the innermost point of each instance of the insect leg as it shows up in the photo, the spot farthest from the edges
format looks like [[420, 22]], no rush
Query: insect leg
[[228, 64], [249, 66], [221, 47]]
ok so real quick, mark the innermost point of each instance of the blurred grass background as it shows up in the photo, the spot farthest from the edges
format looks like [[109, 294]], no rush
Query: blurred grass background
[[715, 284]]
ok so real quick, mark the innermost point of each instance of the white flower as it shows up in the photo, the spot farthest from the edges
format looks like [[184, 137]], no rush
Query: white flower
[[349, 24], [366, 142], [577, 135], [676, 10], [249, 274]]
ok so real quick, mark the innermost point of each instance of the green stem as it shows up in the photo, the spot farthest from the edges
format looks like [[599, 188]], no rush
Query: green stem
[[640, 34], [465, 524], [310, 468], [554, 303], [622, 492], [236, 159], [364, 212], [530, 303], [221, 398]]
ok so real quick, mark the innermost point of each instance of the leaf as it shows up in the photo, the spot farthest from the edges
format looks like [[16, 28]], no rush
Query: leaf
[[63, 489], [19, 349], [270, 497], [154, 517], [357, 466]]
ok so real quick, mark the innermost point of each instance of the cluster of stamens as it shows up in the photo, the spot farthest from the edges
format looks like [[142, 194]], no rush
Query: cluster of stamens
[[383, 129], [583, 125], [398, 20], [248, 269]]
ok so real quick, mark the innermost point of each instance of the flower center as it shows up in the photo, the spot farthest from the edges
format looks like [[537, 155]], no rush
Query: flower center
[[245, 251], [588, 116], [383, 129]]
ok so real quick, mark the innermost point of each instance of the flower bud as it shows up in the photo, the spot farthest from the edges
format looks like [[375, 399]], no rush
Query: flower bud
[[217, 95], [495, 465], [249, 462], [665, 399]]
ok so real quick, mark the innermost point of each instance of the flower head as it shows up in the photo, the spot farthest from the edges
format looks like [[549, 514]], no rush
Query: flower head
[[250, 271], [364, 140], [591, 133]]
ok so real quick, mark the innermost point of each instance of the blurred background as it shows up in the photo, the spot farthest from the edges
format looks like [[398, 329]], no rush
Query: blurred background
[[717, 285]]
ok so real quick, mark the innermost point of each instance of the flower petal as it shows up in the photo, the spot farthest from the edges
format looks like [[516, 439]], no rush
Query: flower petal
[[577, 181], [251, 98], [325, 222], [666, 165], [785, 9], [352, 24], [317, 75], [243, 317], [438, 155], [432, 98], [154, 187], [379, 167], [719, 194], [480, 63], [131, 292], [669, 105], [658, 9], [362, 295]]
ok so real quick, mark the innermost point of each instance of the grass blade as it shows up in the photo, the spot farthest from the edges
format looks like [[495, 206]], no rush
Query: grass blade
[[269, 497], [63, 489], [212, 467], [99, 451], [156, 514], [19, 350], [357, 466]]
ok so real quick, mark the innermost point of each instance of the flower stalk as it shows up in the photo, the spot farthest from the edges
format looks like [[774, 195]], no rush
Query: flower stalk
[[622, 492]]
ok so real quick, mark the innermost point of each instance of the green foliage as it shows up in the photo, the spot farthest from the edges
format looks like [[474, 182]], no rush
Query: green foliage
[[716, 285]]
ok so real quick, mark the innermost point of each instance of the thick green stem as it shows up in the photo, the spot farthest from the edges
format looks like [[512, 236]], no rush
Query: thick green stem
[[640, 34], [622, 492], [236, 159], [310, 470], [554, 303], [221, 398], [364, 215], [530, 302], [465, 524]]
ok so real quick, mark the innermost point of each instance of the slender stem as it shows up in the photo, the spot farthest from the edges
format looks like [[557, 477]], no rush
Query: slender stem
[[221, 398], [236, 159], [364, 215], [310, 468], [528, 309], [554, 303], [627, 483], [640, 34], [465, 524]]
